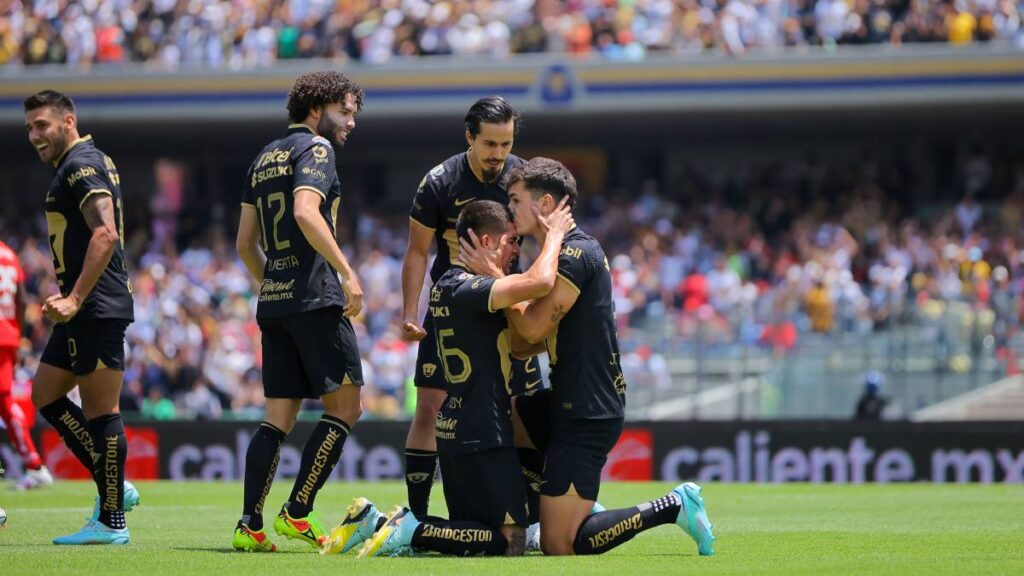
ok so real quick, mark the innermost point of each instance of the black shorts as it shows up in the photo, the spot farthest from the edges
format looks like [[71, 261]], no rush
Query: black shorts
[[83, 346], [485, 487], [534, 410], [429, 371], [576, 454], [525, 376], [310, 354]]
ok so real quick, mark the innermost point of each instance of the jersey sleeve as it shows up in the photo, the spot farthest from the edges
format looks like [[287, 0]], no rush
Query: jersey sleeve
[[248, 190], [314, 167], [572, 265], [475, 294], [88, 179], [426, 208]]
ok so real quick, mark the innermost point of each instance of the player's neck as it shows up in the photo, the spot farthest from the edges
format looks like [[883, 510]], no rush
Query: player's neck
[[311, 124]]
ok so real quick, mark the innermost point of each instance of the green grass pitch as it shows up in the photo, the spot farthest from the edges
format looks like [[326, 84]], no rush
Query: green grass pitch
[[184, 528]]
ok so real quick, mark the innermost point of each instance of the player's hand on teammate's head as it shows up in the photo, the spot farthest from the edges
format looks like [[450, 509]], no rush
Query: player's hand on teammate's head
[[413, 332], [559, 220], [353, 297], [482, 260]]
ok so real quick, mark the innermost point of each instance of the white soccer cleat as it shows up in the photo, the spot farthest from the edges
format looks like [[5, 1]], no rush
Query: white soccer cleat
[[35, 479]]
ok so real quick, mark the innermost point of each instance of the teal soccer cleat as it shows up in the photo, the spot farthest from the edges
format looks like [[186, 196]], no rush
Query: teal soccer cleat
[[394, 538], [358, 526], [94, 533], [693, 519]]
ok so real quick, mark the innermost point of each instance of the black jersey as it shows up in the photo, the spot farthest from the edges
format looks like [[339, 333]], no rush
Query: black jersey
[[83, 172], [474, 347], [296, 277], [584, 350], [440, 197]]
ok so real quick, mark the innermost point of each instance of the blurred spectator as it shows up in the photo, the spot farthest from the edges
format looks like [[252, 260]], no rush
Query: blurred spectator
[[871, 402]]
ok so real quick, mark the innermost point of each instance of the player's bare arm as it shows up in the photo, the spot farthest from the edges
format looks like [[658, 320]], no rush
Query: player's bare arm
[[247, 242], [414, 268], [541, 317], [98, 211], [536, 282], [320, 237]]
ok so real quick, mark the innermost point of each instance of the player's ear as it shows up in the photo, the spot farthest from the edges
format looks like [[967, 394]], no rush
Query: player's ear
[[469, 138]]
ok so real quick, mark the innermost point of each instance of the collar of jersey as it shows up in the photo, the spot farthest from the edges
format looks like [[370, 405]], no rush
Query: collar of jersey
[[76, 142], [301, 127]]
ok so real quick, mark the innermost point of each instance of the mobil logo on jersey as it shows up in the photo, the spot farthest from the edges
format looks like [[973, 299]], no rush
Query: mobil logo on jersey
[[632, 458]]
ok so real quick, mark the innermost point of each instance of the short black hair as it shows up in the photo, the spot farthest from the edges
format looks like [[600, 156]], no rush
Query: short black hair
[[318, 89], [482, 217], [61, 102], [493, 110], [544, 176]]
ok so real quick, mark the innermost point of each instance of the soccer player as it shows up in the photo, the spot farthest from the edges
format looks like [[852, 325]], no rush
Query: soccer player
[[485, 495], [477, 174], [12, 315], [579, 422], [286, 237], [85, 222]]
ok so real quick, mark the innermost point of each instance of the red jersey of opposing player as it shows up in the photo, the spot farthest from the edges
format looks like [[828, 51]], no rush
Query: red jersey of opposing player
[[11, 278]]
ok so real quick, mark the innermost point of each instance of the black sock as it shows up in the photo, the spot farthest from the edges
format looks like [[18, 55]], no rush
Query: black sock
[[260, 467], [69, 421], [605, 530], [531, 463], [459, 539], [419, 479], [319, 456], [108, 435]]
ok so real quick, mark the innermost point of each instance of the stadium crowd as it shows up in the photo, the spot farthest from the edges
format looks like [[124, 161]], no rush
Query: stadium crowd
[[775, 251], [247, 33]]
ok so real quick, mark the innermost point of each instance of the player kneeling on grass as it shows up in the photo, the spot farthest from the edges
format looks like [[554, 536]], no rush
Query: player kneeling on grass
[[483, 487], [580, 420]]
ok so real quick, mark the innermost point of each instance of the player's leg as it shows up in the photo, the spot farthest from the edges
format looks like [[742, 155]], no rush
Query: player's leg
[[99, 366], [281, 365], [14, 419], [50, 386], [421, 446], [327, 346]]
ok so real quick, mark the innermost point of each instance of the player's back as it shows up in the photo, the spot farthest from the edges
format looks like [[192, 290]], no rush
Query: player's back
[[10, 276], [584, 349], [473, 342], [296, 277]]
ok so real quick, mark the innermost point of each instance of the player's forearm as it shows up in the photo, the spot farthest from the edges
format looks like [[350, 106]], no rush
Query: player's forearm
[[414, 268], [319, 236], [254, 260], [97, 256]]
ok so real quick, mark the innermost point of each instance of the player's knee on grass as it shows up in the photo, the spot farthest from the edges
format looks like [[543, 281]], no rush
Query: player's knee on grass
[[516, 537]]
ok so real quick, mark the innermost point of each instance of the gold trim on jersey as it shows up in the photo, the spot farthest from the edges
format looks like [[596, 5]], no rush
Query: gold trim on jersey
[[74, 143], [94, 191], [570, 283], [300, 125], [452, 239], [505, 355], [490, 296], [551, 343], [413, 218], [250, 204], [312, 188]]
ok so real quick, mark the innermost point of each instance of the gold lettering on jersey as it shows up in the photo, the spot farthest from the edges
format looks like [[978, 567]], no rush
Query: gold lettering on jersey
[[319, 154], [444, 428], [271, 173], [314, 173], [457, 534], [620, 384], [440, 311], [275, 156], [283, 263], [634, 522], [435, 294], [455, 402], [319, 461], [274, 291], [81, 173], [571, 251]]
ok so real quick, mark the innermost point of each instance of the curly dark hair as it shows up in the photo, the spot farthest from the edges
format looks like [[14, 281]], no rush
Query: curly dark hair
[[319, 89]]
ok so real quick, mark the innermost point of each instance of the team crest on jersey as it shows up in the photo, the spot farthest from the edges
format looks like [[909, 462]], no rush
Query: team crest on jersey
[[319, 154], [465, 275], [321, 140], [429, 369], [437, 171]]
